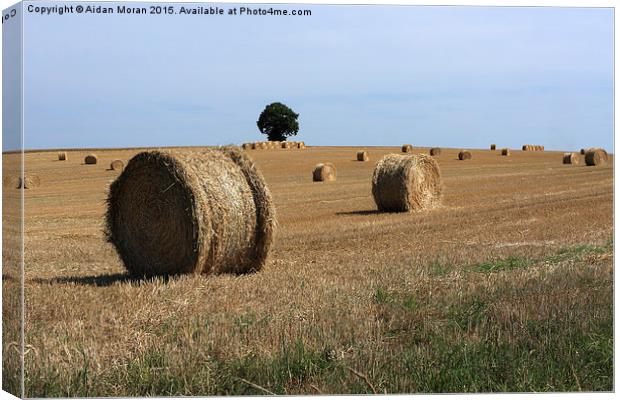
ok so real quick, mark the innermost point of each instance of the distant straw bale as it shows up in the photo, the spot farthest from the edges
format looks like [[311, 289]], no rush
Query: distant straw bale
[[464, 155], [570, 158], [403, 182], [596, 156], [435, 151], [324, 172], [246, 146], [62, 156], [90, 159], [362, 155], [505, 152], [219, 216], [117, 165], [407, 148], [492, 147], [27, 182]]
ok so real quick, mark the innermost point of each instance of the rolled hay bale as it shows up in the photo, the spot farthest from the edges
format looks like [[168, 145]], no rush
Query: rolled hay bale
[[525, 147], [324, 172], [464, 155], [204, 212], [596, 156], [301, 145], [570, 158], [246, 146], [362, 155], [90, 159], [406, 183], [117, 165], [435, 151], [493, 147], [263, 145], [505, 152], [407, 148], [62, 156], [583, 151], [27, 182]]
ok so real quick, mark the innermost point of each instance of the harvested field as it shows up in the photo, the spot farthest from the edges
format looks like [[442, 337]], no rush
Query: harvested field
[[507, 286]]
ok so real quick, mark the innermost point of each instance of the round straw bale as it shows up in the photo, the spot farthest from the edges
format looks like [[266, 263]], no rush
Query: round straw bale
[[62, 156], [204, 212], [28, 181], [596, 156], [246, 146], [492, 147], [90, 159], [117, 165], [407, 148], [301, 145], [464, 155], [435, 151], [583, 151], [570, 158], [406, 183], [505, 152], [362, 155], [525, 147], [324, 172]]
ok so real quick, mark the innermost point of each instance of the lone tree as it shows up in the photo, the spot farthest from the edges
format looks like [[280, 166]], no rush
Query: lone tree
[[277, 121]]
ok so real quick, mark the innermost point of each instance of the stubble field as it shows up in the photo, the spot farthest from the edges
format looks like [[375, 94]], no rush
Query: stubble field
[[505, 287]]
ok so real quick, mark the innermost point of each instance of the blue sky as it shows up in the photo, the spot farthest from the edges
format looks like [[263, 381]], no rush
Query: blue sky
[[357, 75]]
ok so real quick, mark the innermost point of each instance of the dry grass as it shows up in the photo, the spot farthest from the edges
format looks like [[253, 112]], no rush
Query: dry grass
[[490, 292]]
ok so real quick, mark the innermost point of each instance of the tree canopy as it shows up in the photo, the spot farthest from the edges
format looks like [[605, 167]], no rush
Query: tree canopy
[[278, 121]]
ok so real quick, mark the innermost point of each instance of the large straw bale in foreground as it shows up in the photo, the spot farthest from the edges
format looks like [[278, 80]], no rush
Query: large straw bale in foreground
[[596, 156], [406, 183], [203, 212], [570, 158], [324, 172]]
